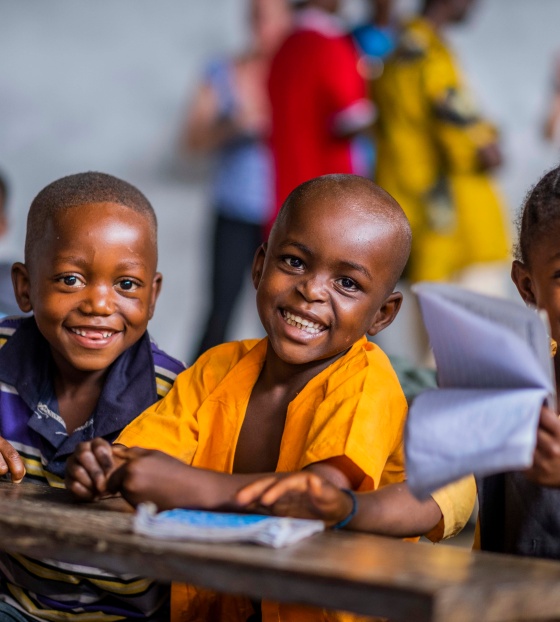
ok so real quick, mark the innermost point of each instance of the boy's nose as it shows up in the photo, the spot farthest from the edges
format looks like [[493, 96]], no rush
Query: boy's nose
[[313, 288], [98, 301]]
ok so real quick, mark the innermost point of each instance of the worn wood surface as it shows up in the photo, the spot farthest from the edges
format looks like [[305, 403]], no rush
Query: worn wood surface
[[355, 572]]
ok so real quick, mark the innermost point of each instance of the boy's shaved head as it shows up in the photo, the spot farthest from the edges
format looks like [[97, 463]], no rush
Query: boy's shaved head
[[360, 195], [82, 189]]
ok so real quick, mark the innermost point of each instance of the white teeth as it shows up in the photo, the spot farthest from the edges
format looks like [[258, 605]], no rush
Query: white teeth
[[83, 333], [295, 320]]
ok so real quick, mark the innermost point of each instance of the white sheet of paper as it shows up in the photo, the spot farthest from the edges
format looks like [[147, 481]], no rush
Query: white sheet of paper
[[495, 371], [454, 432]]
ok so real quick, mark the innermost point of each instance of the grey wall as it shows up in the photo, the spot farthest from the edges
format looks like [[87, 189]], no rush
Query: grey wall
[[90, 85]]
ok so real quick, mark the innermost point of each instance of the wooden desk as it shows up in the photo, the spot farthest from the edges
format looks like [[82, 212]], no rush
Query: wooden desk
[[356, 572]]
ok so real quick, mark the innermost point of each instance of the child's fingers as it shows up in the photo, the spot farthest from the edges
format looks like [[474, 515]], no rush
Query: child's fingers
[[252, 492], [11, 462], [548, 446], [16, 470], [79, 482], [130, 453], [81, 492], [103, 454], [114, 481], [120, 451], [84, 460], [296, 483], [316, 487], [549, 422]]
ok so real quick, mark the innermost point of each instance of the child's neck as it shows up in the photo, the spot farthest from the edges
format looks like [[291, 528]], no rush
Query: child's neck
[[258, 444], [277, 373], [77, 393]]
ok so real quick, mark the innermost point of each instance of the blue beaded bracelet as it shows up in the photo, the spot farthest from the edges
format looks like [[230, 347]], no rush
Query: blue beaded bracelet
[[353, 511]]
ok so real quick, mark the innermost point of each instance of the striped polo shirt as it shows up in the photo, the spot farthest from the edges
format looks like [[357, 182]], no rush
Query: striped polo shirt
[[29, 420]]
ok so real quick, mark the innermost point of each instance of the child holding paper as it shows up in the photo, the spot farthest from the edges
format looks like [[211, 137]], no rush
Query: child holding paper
[[520, 512]]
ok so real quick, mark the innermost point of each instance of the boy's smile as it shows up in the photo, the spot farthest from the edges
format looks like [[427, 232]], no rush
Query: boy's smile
[[323, 279], [91, 283]]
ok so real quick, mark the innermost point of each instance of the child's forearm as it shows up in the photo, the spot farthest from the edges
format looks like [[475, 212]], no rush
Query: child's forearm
[[209, 490], [169, 483], [394, 511]]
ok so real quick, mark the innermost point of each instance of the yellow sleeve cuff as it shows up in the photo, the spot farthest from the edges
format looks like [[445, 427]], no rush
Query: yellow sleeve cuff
[[456, 502]]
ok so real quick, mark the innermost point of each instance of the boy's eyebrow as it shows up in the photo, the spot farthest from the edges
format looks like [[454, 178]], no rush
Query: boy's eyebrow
[[346, 263], [80, 261], [358, 267], [302, 247]]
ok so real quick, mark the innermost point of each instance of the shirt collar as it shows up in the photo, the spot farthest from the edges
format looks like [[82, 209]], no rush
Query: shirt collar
[[26, 364]]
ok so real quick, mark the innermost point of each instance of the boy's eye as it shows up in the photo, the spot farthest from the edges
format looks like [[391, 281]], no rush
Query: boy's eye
[[348, 284], [71, 280], [293, 262], [128, 285]]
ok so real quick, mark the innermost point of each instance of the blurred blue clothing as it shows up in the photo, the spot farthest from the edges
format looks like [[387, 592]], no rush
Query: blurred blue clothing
[[242, 187], [374, 41], [374, 44]]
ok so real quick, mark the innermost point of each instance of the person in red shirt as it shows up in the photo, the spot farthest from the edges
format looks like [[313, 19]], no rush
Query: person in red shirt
[[318, 100]]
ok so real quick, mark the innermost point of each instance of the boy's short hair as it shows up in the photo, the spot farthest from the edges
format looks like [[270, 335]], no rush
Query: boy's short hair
[[376, 202], [79, 189]]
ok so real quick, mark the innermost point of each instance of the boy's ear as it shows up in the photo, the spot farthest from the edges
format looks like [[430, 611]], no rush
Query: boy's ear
[[386, 314], [521, 276], [20, 281], [258, 264], [156, 289]]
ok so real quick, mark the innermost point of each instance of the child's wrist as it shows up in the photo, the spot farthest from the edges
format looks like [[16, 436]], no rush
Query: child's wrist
[[353, 510]]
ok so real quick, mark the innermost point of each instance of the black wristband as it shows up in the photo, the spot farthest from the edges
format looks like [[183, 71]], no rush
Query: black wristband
[[353, 511]]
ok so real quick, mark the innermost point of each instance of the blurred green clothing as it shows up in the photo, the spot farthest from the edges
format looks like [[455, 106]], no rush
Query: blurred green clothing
[[413, 379]]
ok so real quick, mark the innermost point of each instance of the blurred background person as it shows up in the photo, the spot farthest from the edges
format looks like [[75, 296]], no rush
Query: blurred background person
[[230, 118], [8, 304], [318, 100], [375, 39], [435, 156]]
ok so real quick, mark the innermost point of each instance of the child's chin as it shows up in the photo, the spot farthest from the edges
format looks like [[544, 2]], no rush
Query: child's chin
[[92, 363], [298, 355]]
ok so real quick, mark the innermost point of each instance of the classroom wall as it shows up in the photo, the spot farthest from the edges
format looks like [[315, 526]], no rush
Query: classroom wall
[[103, 86]]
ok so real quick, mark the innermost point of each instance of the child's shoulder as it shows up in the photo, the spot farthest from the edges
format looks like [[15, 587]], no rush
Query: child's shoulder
[[8, 326], [226, 355], [167, 363], [234, 360], [366, 367], [368, 355], [166, 369]]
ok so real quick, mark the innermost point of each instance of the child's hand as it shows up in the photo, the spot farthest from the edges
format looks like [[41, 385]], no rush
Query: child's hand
[[301, 495], [490, 157], [546, 462], [11, 462], [88, 469], [149, 475]]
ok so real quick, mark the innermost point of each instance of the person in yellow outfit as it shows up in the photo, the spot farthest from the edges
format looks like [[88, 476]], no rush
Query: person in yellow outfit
[[435, 152], [314, 395]]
